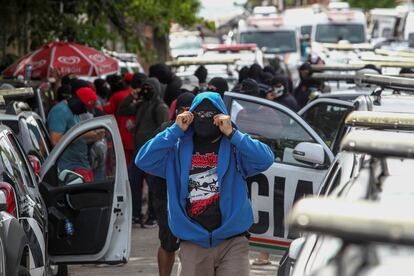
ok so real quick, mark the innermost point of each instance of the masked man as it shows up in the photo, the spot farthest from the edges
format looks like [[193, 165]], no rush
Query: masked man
[[205, 159], [61, 118]]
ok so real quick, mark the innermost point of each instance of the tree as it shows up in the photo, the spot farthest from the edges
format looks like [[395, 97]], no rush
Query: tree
[[370, 4], [26, 25]]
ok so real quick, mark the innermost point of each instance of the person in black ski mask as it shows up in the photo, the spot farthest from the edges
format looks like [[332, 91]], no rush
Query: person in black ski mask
[[205, 161]]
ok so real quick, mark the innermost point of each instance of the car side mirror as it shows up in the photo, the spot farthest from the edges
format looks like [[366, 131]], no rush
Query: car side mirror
[[68, 177], [310, 153], [295, 248], [3, 201]]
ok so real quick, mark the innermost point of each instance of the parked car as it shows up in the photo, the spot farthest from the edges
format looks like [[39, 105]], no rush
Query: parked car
[[64, 219], [304, 152], [381, 180]]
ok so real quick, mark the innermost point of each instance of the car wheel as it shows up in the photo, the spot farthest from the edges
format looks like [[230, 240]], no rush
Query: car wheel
[[23, 271], [62, 270], [284, 265]]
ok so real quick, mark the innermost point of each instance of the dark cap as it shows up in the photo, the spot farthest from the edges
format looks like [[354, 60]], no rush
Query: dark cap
[[250, 87], [220, 84], [137, 80], [184, 100]]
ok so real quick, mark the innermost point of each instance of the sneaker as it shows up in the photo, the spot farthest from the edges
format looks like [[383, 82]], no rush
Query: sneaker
[[136, 221], [151, 223]]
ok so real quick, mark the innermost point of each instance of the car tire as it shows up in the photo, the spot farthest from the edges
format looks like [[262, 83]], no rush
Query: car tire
[[284, 265], [23, 271], [62, 270]]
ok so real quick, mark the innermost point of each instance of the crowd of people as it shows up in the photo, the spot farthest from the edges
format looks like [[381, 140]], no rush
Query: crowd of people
[[145, 105]]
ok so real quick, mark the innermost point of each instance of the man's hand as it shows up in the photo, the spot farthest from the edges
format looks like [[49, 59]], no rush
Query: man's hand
[[184, 120], [224, 123]]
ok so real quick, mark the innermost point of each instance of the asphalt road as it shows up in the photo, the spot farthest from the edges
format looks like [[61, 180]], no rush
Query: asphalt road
[[143, 260]]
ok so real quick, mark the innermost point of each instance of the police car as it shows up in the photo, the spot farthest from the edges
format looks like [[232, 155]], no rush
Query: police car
[[64, 219], [303, 157], [381, 178], [224, 67], [374, 113], [245, 54]]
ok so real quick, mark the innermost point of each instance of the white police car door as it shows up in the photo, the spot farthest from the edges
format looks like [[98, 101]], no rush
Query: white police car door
[[274, 191], [84, 183]]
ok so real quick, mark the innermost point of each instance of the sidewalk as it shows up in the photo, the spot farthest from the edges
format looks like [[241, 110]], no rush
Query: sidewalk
[[143, 260]]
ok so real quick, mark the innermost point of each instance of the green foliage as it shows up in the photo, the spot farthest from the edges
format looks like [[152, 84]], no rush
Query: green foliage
[[370, 4], [32, 23]]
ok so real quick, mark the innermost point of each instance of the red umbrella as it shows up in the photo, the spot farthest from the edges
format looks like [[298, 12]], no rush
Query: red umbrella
[[67, 57]]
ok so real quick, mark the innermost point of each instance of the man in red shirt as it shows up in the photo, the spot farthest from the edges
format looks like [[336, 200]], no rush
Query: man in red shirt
[[126, 124]]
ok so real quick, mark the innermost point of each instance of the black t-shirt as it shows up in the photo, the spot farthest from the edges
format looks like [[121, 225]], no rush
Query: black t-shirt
[[203, 187]]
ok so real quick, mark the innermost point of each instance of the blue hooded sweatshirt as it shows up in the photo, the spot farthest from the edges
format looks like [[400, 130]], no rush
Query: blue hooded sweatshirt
[[168, 155]]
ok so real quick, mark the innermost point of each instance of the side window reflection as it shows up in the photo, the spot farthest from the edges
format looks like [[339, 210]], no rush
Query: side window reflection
[[89, 158], [271, 126]]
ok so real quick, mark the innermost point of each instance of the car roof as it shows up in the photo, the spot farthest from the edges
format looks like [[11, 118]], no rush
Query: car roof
[[8, 117]]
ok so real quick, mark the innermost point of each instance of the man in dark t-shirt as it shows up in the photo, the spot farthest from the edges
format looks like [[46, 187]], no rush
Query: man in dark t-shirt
[[203, 188]]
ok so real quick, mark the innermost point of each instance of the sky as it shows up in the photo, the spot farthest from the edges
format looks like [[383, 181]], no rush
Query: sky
[[212, 9]]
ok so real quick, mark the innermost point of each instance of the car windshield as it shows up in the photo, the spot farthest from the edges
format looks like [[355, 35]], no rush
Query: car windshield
[[277, 42], [185, 43], [332, 33]]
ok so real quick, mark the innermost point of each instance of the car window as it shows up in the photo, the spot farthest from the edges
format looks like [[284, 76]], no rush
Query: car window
[[45, 134], [88, 158], [11, 172], [13, 125], [36, 136], [21, 161], [328, 178], [271, 126], [325, 119]]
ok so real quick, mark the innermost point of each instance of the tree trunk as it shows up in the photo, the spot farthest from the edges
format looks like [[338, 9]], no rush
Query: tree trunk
[[161, 46]]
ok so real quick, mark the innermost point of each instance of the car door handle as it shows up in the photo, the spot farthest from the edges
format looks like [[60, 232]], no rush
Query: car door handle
[[68, 201], [61, 203]]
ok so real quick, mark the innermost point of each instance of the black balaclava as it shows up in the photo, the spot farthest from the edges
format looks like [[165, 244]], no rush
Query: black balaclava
[[204, 128], [220, 84], [76, 105], [255, 72], [75, 84], [116, 83], [162, 72], [64, 92], [250, 87], [102, 88], [243, 74], [201, 74]]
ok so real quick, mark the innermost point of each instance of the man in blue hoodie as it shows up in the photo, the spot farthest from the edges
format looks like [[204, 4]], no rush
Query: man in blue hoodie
[[205, 159]]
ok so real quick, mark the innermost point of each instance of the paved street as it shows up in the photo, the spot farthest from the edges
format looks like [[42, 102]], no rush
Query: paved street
[[143, 259]]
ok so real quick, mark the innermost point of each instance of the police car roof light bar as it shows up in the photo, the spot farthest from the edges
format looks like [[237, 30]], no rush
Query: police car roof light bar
[[333, 77], [380, 120], [355, 221], [379, 143], [392, 82], [343, 67], [24, 92]]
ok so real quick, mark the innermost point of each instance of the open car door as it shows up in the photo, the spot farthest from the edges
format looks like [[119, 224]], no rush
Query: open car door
[[327, 117], [301, 162], [84, 183]]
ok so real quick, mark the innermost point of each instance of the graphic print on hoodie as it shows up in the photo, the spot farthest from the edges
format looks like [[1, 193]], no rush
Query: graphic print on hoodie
[[203, 187]]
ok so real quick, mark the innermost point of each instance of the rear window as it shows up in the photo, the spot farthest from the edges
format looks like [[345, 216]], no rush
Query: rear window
[[13, 125]]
